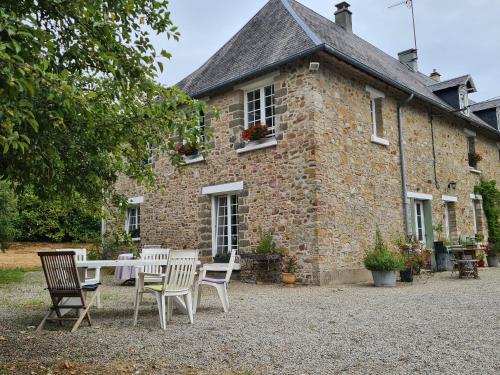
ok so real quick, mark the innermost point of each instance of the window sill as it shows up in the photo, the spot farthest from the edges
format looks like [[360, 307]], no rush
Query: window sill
[[379, 141], [193, 159], [256, 145], [474, 170], [137, 239]]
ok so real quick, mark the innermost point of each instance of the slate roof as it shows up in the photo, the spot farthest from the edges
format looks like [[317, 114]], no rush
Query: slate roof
[[465, 80], [488, 104], [285, 30]]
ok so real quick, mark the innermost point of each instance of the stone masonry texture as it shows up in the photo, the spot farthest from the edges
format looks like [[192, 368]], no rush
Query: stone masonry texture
[[325, 187]]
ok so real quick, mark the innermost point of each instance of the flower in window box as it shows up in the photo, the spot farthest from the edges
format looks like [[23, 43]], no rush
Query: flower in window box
[[186, 150], [254, 133], [475, 157]]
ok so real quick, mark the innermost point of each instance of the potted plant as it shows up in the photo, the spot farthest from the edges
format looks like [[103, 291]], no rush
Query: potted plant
[[405, 250], [383, 263], [492, 251], [289, 268], [474, 158], [186, 150], [222, 258], [255, 132]]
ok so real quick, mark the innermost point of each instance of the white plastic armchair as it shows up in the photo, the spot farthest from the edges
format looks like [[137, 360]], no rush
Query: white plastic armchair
[[81, 256], [177, 282], [219, 284], [149, 274]]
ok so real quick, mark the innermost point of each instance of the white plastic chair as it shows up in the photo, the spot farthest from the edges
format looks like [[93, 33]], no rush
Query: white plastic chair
[[150, 274], [219, 284], [177, 282], [81, 256]]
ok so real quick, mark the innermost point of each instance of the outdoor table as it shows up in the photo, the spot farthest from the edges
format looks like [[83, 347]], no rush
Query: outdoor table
[[82, 265], [463, 265], [125, 273]]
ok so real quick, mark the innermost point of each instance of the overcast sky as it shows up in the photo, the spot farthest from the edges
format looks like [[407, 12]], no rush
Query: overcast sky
[[454, 36]]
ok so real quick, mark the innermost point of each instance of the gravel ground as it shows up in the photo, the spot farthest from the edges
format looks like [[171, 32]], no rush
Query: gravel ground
[[435, 325]]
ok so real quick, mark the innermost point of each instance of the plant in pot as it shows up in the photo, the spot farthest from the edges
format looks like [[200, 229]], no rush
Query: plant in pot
[[405, 249], [290, 264], [254, 133], [222, 258], [186, 150], [492, 251], [383, 263]]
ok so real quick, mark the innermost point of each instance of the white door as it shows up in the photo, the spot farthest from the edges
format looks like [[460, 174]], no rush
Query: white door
[[419, 222], [225, 224]]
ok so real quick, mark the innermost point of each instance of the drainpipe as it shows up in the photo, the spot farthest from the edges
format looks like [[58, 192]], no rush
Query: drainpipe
[[406, 220]]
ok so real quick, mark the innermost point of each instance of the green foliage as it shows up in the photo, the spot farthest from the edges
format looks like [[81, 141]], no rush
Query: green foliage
[[439, 229], [491, 206], [57, 220], [267, 245], [8, 213], [79, 104], [381, 259]]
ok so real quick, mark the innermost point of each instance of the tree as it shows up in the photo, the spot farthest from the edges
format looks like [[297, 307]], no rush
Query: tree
[[8, 214], [79, 104]]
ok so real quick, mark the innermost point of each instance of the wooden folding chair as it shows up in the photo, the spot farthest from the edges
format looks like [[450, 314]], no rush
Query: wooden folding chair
[[65, 289]]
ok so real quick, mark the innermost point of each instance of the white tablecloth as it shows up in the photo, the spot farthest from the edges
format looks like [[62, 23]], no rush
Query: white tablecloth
[[125, 273]]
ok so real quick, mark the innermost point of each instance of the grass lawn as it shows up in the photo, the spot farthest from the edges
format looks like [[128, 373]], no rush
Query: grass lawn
[[13, 275]]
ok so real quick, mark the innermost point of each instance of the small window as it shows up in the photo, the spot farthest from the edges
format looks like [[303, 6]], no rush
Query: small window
[[450, 222], [471, 148], [260, 108], [133, 224], [377, 118], [477, 209]]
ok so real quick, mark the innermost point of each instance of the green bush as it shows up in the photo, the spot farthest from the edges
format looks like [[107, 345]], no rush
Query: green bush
[[491, 206], [267, 245], [8, 214], [57, 220], [381, 259]]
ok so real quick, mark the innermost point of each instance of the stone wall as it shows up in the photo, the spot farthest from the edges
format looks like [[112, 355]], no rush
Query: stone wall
[[361, 180], [325, 186]]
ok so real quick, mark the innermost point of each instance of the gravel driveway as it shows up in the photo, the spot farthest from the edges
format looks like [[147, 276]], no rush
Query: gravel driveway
[[435, 325]]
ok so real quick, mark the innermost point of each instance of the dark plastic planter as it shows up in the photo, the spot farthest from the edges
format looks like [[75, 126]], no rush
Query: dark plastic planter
[[406, 275]]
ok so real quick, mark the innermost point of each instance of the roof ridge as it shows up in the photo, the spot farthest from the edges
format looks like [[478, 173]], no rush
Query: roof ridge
[[315, 39]]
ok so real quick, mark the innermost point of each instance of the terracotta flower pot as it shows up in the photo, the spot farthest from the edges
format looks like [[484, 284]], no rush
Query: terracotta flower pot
[[288, 279]]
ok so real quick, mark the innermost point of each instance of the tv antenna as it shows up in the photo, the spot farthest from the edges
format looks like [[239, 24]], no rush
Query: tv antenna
[[409, 4]]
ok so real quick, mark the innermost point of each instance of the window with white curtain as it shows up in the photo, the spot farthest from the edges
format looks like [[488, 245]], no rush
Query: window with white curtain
[[226, 223]]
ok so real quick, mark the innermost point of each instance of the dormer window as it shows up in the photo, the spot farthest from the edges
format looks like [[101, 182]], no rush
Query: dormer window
[[260, 108], [464, 102]]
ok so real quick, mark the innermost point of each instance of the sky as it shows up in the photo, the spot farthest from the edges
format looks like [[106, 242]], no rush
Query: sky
[[456, 37]]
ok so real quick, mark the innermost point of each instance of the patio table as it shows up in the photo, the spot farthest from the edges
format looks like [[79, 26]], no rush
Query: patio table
[[82, 265]]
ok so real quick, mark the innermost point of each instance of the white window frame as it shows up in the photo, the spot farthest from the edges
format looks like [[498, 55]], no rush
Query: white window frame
[[262, 109], [422, 217], [137, 215], [375, 94], [215, 221]]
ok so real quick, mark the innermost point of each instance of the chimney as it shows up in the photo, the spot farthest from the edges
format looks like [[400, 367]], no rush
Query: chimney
[[436, 76], [343, 16], [410, 59]]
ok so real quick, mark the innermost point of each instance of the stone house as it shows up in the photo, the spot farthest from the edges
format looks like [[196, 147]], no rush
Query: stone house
[[356, 139]]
